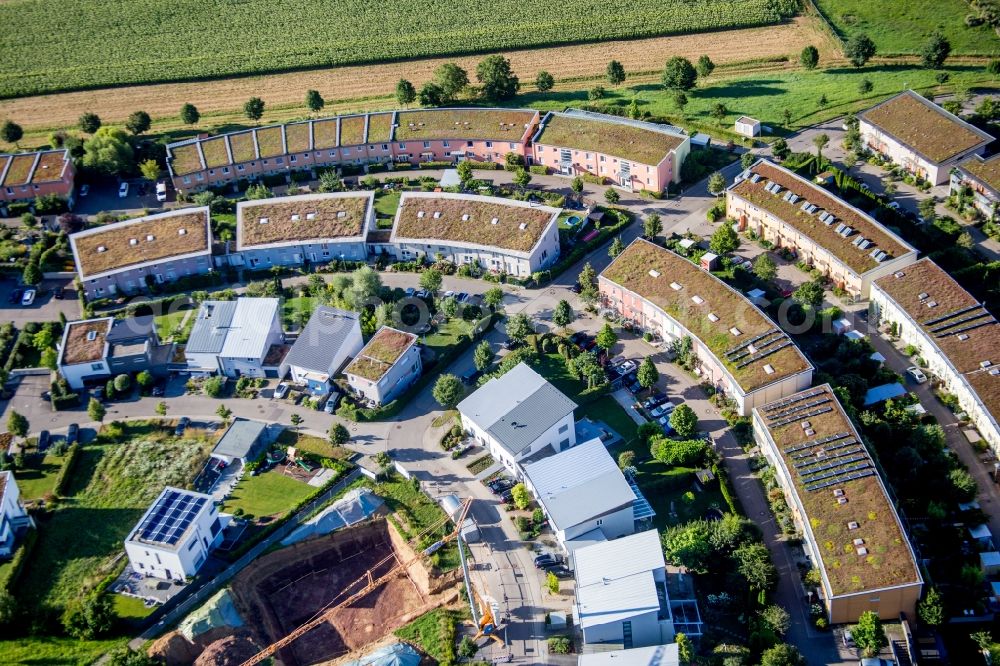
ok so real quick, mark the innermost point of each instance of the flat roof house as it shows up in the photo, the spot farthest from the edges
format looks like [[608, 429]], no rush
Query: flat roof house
[[956, 335], [124, 256], [304, 229], [237, 338], [621, 593], [851, 531], [95, 349], [920, 136], [502, 235], [632, 154], [982, 177], [519, 415], [585, 496], [14, 517], [747, 126], [244, 441], [739, 349], [329, 339], [841, 241], [174, 537], [385, 367], [24, 176]]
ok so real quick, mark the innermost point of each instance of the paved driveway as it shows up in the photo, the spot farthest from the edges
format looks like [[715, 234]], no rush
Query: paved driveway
[[45, 308]]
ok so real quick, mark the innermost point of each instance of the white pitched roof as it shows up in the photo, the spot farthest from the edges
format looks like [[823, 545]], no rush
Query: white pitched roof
[[579, 484], [249, 328], [656, 655], [614, 580]]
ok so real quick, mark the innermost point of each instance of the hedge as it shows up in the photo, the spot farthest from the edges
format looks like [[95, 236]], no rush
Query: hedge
[[540, 169], [436, 165], [63, 478], [485, 166], [581, 249], [20, 557], [727, 493]]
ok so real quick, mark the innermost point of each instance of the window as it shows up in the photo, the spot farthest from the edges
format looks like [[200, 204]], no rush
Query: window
[[225, 169], [241, 168], [489, 144], [293, 159], [211, 172], [427, 144], [563, 445], [468, 144], [279, 160], [402, 146], [192, 544], [385, 147], [187, 181], [96, 367], [600, 521], [444, 143], [563, 428]]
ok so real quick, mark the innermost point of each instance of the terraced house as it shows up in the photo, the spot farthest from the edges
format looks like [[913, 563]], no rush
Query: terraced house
[[845, 244], [982, 178], [385, 367], [920, 136], [395, 136], [957, 337], [125, 257], [739, 350], [851, 531], [502, 235], [632, 154], [24, 176], [306, 229]]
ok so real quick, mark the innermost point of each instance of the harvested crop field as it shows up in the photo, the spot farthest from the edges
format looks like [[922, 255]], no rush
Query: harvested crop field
[[284, 589], [360, 88]]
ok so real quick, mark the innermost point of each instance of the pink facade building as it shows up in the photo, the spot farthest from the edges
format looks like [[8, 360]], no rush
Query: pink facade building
[[24, 176], [631, 154]]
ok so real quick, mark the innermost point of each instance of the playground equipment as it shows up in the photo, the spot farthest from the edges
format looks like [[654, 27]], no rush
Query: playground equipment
[[293, 458]]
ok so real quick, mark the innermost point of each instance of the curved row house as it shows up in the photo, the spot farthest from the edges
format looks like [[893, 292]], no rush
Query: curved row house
[[956, 335], [739, 349], [920, 136], [982, 176], [852, 533], [24, 176], [125, 257], [633, 154], [424, 135], [844, 243]]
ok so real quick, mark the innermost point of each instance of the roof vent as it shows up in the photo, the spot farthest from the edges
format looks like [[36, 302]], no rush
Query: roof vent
[[182, 232], [768, 368], [654, 273], [810, 432], [751, 348], [495, 220], [853, 525], [91, 336], [859, 542], [310, 216], [806, 425], [841, 500], [898, 274], [437, 214], [341, 214], [150, 237], [522, 226], [698, 300], [675, 286], [735, 331], [985, 364], [963, 336], [101, 248], [932, 304], [838, 492], [133, 241], [862, 551], [420, 213], [995, 371], [712, 317], [263, 220], [922, 295], [295, 217], [465, 217]]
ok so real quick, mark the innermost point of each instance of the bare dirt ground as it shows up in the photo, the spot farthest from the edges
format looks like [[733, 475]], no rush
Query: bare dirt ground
[[371, 87], [284, 589]]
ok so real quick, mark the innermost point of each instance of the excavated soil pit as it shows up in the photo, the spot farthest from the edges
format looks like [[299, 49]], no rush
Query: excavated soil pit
[[284, 589]]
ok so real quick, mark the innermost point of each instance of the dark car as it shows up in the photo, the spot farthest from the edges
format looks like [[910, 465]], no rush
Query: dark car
[[98, 394], [15, 296], [182, 425], [72, 433], [43, 440], [653, 401], [561, 571], [498, 483], [59, 293], [47, 396], [507, 497], [158, 390], [471, 377], [576, 288], [546, 560], [502, 488]]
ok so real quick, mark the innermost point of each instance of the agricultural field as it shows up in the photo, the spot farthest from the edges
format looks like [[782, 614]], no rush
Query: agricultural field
[[71, 44], [903, 26]]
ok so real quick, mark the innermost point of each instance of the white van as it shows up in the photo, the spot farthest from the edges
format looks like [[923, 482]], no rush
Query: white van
[[161, 191]]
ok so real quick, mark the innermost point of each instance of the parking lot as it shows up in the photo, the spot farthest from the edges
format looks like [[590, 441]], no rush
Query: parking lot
[[46, 307]]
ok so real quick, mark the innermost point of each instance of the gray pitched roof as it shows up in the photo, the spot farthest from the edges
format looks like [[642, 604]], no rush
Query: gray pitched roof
[[579, 484], [244, 439], [321, 339], [211, 327], [517, 407], [129, 329]]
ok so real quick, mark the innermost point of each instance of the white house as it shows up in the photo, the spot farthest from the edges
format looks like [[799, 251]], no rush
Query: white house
[[329, 339], [13, 516], [519, 415], [385, 367], [236, 338], [95, 349], [175, 535], [654, 655], [584, 495], [747, 126], [621, 593], [243, 442]]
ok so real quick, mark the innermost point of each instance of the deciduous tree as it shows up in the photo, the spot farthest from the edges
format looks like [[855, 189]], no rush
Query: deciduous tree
[[17, 424], [448, 390], [190, 114], [109, 151], [615, 73], [406, 94], [780, 148], [931, 609], [519, 327], [315, 101], [493, 297], [149, 169], [521, 496], [705, 66], [936, 51], [544, 81], [809, 57], [616, 248], [611, 196], [647, 375], [563, 315], [684, 421], [452, 80], [765, 268], [606, 337], [89, 122], [522, 177], [11, 132], [483, 356], [339, 434], [652, 226], [820, 141], [859, 49], [138, 122], [782, 654], [716, 184], [496, 78], [809, 293], [95, 410], [431, 280], [679, 74], [869, 635], [724, 239]]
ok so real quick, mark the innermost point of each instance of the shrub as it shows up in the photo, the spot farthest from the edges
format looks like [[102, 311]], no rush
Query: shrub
[[560, 645]]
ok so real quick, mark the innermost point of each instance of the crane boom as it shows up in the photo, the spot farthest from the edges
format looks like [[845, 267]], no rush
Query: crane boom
[[369, 585]]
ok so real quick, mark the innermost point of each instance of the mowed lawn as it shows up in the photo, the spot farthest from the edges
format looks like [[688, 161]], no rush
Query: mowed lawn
[[267, 494], [38, 477], [55, 651], [169, 325], [672, 493], [903, 26]]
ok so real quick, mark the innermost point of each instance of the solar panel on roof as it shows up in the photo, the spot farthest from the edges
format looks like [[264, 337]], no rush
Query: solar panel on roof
[[170, 518], [823, 466], [816, 457], [839, 472], [798, 397], [799, 417], [816, 442], [970, 327], [740, 346], [935, 320], [764, 354], [806, 405], [756, 347], [833, 482], [951, 323]]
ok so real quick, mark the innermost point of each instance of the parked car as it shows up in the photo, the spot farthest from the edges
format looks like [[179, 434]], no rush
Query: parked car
[[158, 389], [84, 190], [282, 390], [916, 374], [28, 297], [561, 571], [410, 291], [59, 293], [894, 205], [161, 192], [15, 296], [47, 396], [462, 297], [546, 560], [654, 400], [43, 440], [448, 294], [123, 190], [663, 410], [331, 402], [506, 497], [423, 294], [664, 422], [576, 288], [501, 486], [72, 433], [471, 377], [182, 425]]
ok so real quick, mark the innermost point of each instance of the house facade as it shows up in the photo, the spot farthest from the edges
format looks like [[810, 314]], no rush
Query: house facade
[[385, 367], [632, 154], [737, 348], [125, 257], [957, 337], [13, 516], [920, 136], [25, 176], [842, 242], [236, 338], [517, 416], [851, 531], [97, 349], [329, 339], [982, 178], [176, 534]]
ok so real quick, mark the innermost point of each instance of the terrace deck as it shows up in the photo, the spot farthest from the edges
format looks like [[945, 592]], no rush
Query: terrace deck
[[381, 352], [297, 137], [215, 152], [889, 560], [352, 130], [478, 229], [120, 253], [242, 146], [982, 344], [482, 124], [632, 270], [269, 142], [19, 170], [325, 134], [608, 137], [186, 159], [379, 128], [986, 171], [333, 217], [924, 126], [825, 236], [50, 167], [78, 348]]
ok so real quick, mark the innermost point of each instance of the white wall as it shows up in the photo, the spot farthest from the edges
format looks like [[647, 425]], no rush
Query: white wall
[[254, 367], [936, 172], [551, 437], [77, 373], [186, 559], [12, 514], [646, 631], [403, 373]]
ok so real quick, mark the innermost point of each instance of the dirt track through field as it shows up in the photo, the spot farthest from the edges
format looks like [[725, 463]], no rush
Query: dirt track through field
[[371, 87]]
